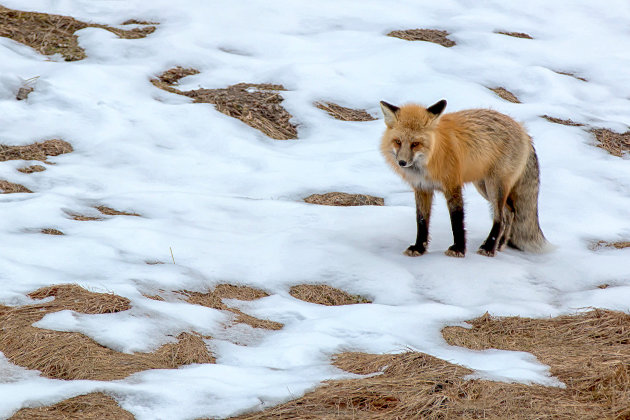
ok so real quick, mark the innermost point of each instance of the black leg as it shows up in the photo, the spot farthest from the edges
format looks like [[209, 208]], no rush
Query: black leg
[[455, 204], [490, 245], [424, 200]]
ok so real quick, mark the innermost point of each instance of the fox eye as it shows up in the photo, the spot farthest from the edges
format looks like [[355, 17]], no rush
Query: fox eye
[[415, 144], [397, 142]]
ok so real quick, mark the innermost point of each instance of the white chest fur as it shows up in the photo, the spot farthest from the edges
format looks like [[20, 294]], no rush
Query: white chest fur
[[418, 177]]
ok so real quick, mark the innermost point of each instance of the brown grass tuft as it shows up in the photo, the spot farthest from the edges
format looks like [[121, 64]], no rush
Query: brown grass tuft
[[564, 73], [94, 406], [257, 105], [31, 169], [606, 244], [561, 121], [588, 352], [174, 75], [516, 34], [614, 143], [344, 114], [35, 151], [83, 218], [70, 355], [51, 34], [108, 211], [138, 22], [344, 199], [214, 299], [505, 94], [429, 35], [113, 212], [50, 231], [323, 294], [11, 188]]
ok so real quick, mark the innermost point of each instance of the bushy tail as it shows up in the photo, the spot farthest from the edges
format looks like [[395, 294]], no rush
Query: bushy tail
[[526, 234]]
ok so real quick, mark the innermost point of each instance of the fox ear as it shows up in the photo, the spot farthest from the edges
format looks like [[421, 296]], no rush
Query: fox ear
[[390, 112], [437, 108]]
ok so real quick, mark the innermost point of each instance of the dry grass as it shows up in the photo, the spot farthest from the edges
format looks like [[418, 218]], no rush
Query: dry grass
[[83, 218], [32, 169], [257, 105], [505, 94], [11, 188], [108, 211], [344, 199], [70, 355], [606, 244], [113, 212], [214, 299], [35, 151], [51, 231], [322, 294], [561, 121], [429, 35], [565, 73], [138, 22], [344, 114], [51, 34], [516, 34], [94, 406], [614, 143], [172, 76], [589, 352]]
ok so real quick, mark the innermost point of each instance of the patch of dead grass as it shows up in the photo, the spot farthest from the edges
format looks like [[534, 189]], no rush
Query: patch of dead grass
[[516, 34], [70, 355], [51, 231], [35, 151], [113, 212], [575, 76], [505, 94], [614, 143], [342, 113], [94, 406], [108, 211], [588, 352], [561, 121], [257, 105], [607, 244], [214, 299], [32, 169], [344, 199], [51, 34], [11, 188], [323, 294], [174, 75], [429, 35]]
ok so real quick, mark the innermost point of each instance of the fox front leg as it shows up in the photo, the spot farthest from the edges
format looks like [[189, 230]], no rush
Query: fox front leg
[[455, 203], [424, 199]]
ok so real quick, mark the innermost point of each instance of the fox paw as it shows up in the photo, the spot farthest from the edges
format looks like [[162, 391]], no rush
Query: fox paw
[[415, 251], [486, 253], [452, 251]]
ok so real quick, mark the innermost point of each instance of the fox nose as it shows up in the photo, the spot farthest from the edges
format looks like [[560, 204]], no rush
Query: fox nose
[[402, 163]]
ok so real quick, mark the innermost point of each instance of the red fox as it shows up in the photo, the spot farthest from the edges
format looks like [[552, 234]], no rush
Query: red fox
[[432, 152]]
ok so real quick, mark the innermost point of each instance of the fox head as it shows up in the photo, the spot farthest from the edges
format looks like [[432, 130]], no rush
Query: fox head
[[409, 136]]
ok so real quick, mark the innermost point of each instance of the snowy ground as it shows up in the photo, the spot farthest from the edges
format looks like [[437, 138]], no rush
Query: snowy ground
[[227, 200]]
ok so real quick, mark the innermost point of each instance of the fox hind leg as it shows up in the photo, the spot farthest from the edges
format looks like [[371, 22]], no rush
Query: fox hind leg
[[497, 196]]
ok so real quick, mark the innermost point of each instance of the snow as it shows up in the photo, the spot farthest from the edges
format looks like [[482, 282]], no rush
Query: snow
[[227, 200]]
